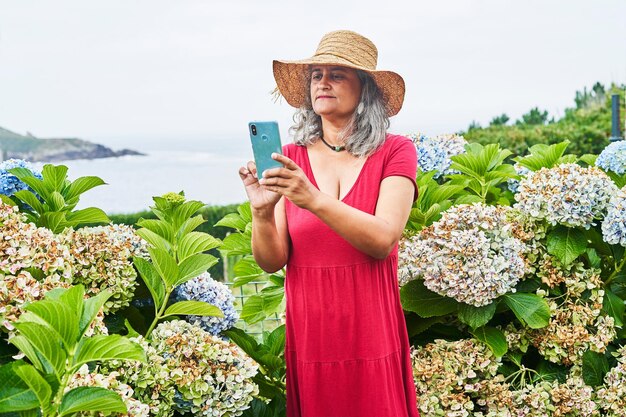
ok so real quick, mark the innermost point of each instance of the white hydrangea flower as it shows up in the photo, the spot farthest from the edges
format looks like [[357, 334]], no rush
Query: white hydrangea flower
[[434, 152], [473, 254], [567, 194], [614, 224]]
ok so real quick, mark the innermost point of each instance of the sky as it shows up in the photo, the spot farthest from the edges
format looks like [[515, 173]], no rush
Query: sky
[[176, 70]]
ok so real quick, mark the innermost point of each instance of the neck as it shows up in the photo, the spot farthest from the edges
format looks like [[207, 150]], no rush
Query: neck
[[331, 132]]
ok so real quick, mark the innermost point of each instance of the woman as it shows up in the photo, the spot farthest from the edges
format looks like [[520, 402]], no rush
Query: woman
[[334, 215]]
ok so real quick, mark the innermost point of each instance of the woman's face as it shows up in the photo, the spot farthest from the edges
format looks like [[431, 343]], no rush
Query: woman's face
[[335, 91]]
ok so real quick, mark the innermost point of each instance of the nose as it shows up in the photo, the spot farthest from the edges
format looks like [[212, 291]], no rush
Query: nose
[[323, 82]]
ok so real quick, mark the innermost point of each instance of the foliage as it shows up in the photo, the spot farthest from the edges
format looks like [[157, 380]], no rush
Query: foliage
[[176, 254], [587, 126], [238, 244], [53, 199], [53, 334]]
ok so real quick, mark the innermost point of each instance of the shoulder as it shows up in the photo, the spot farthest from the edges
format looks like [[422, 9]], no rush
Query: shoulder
[[395, 144], [292, 149]]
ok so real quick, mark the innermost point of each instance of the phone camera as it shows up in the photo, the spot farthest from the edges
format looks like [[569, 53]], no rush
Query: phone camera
[[265, 138], [253, 129]]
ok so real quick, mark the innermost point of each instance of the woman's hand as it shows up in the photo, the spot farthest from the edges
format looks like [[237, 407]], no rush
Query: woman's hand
[[290, 181], [261, 199]]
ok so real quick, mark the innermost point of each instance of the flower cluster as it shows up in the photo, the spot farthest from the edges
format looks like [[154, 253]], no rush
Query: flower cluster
[[474, 254], [613, 157], [174, 198], [614, 224], [459, 379], [551, 398], [433, 153], [520, 170], [577, 323], [567, 194], [204, 288], [9, 183], [85, 378], [191, 371], [102, 259], [612, 396]]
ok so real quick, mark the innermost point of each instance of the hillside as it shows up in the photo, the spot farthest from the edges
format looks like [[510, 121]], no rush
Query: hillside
[[31, 148]]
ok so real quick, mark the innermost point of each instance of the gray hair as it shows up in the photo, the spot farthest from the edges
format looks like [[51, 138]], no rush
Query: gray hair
[[365, 132]]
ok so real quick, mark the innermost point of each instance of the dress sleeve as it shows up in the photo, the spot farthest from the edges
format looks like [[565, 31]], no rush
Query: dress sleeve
[[402, 161]]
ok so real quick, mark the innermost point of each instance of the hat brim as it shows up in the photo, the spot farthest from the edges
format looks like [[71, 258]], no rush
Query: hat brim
[[292, 78]]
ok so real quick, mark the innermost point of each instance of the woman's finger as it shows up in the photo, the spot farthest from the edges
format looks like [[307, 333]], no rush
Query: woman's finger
[[288, 163], [252, 168]]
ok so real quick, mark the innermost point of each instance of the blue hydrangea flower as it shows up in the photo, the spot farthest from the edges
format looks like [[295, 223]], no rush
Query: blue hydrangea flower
[[613, 158], [9, 183], [433, 153], [614, 224], [513, 184], [205, 288]]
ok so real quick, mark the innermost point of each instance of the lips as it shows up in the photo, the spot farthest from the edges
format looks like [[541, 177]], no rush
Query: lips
[[318, 97]]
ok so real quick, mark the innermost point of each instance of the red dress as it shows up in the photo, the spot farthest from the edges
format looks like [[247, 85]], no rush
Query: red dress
[[347, 348]]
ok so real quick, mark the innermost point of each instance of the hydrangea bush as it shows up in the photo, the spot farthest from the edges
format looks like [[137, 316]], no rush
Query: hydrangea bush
[[9, 183], [434, 152], [613, 158]]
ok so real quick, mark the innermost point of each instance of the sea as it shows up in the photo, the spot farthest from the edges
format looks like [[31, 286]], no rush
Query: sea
[[206, 169]]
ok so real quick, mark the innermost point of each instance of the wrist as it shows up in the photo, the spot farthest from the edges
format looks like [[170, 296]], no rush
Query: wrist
[[263, 213]]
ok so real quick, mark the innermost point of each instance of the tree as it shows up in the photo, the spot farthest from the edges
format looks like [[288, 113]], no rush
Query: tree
[[499, 120], [534, 117]]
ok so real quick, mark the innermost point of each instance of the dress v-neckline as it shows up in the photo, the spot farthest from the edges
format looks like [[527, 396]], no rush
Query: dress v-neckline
[[314, 181]]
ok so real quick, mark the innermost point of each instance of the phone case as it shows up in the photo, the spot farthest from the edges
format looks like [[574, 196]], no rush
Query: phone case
[[265, 139]]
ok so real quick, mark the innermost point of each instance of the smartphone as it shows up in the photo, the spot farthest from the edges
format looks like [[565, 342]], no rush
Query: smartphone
[[265, 139]]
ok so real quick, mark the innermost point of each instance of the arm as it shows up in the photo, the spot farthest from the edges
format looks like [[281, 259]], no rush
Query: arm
[[270, 239], [375, 235]]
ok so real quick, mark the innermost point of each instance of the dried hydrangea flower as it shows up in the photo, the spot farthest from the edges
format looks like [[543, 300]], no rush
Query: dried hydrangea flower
[[613, 157], [433, 153], [459, 379], [191, 371], [551, 398], [204, 288], [85, 378], [611, 397], [567, 194], [614, 224], [474, 254], [102, 259], [9, 183]]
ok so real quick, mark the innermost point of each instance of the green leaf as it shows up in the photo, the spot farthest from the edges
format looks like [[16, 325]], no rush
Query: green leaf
[[416, 324], [37, 384], [246, 270], [232, 220], [154, 239], [259, 306], [417, 298], [91, 399], [614, 307], [194, 243], [28, 178], [246, 342], [159, 227], [196, 308], [589, 159], [46, 342], [31, 199], [54, 176], [165, 265], [8, 200], [153, 280], [107, 347], [183, 212], [91, 307], [595, 366], [56, 201], [82, 184], [15, 395], [529, 308], [191, 224], [476, 316], [245, 211], [276, 340], [566, 244], [88, 215], [236, 244], [30, 352], [194, 266], [492, 337], [60, 317], [54, 221]]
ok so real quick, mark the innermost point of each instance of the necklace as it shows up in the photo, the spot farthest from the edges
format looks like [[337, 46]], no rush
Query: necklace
[[335, 148]]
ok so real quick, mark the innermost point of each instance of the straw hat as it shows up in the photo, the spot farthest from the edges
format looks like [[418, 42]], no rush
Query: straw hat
[[344, 48]]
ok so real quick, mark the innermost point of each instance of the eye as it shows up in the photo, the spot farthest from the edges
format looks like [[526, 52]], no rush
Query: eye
[[338, 76], [316, 76]]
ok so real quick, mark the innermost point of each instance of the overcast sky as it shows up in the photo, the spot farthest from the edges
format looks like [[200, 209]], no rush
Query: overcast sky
[[175, 69]]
